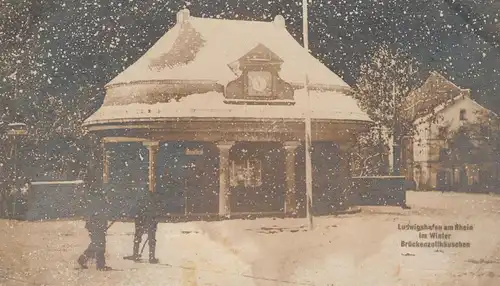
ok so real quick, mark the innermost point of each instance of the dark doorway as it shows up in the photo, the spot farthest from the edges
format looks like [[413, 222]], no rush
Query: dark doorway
[[463, 178], [257, 177], [442, 180], [325, 174], [201, 186], [187, 173]]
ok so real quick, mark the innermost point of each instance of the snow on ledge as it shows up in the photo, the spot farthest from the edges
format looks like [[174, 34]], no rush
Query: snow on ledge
[[323, 105], [76, 182]]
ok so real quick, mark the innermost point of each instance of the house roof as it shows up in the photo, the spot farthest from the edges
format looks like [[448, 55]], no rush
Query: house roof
[[447, 104], [435, 91], [183, 75], [435, 95], [323, 105], [203, 48]]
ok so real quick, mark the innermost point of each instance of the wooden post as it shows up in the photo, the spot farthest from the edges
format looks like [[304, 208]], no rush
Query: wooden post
[[224, 201], [307, 121], [347, 197], [290, 198], [153, 151], [105, 163]]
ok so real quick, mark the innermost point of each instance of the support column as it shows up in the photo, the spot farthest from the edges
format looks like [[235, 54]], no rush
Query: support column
[[105, 163], [345, 160], [347, 196], [224, 202], [290, 195], [153, 151]]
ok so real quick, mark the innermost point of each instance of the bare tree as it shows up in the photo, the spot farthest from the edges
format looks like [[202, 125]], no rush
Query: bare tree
[[17, 21], [383, 85], [51, 122], [369, 155], [60, 131]]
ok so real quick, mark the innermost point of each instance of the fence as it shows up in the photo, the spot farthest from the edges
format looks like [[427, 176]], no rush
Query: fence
[[381, 190], [54, 200]]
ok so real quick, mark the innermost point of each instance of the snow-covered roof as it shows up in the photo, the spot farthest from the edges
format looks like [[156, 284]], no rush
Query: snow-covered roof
[[435, 91], [183, 76], [201, 49], [323, 105], [447, 104]]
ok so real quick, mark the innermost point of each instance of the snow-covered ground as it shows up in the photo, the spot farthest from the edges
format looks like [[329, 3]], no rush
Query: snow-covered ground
[[360, 249]]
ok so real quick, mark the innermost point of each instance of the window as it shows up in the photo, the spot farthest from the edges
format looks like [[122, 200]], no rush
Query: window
[[443, 131], [485, 131], [463, 114], [127, 163], [443, 154], [247, 172]]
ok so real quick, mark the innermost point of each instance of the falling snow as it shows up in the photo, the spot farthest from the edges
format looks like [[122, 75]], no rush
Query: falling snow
[[132, 96]]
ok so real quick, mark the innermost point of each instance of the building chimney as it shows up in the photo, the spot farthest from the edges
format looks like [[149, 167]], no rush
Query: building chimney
[[279, 22], [183, 16]]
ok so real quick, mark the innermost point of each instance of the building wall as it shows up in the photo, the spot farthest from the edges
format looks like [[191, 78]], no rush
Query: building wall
[[451, 115], [427, 140], [257, 177], [187, 176], [327, 177]]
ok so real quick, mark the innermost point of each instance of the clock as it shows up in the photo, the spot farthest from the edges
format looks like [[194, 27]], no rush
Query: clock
[[259, 83]]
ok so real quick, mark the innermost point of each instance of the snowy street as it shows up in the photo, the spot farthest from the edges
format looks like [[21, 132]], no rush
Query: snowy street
[[360, 249]]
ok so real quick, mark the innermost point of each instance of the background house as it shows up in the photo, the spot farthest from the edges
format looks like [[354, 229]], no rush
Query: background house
[[453, 133]]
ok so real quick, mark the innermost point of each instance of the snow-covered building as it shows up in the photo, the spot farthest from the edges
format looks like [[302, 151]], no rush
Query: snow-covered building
[[439, 108], [212, 116]]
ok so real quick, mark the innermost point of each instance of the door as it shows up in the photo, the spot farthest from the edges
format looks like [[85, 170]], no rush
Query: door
[[188, 174], [201, 186], [442, 180]]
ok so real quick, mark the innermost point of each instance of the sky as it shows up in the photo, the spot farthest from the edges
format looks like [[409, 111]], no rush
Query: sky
[[77, 47]]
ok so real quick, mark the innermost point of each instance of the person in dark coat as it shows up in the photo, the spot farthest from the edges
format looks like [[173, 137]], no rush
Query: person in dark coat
[[96, 224], [146, 222], [97, 214]]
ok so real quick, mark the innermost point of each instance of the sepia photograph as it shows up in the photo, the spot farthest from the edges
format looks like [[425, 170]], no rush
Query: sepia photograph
[[250, 143]]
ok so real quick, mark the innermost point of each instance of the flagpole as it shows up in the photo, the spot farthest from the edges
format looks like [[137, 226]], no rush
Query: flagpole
[[309, 192]]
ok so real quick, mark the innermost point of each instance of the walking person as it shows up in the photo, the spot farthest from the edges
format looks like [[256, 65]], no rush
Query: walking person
[[97, 215], [97, 225], [146, 222]]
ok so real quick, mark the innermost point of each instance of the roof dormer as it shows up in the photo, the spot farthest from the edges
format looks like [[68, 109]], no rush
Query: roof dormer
[[259, 82]]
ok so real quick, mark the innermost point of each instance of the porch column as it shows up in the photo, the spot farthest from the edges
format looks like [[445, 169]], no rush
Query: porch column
[[345, 160], [153, 147], [105, 163], [224, 202], [290, 199], [347, 197]]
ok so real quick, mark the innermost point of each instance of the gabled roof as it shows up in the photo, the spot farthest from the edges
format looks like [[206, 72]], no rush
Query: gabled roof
[[434, 92], [259, 53], [200, 49], [444, 105]]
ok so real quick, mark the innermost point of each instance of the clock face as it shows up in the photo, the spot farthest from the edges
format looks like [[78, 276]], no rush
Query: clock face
[[259, 83]]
